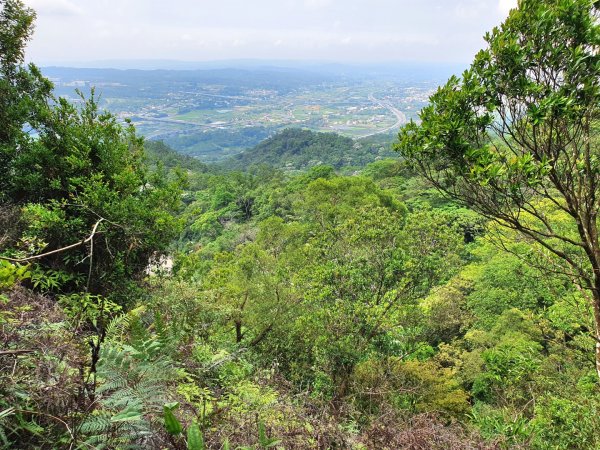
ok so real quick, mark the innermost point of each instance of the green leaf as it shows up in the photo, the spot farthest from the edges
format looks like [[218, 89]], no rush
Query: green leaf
[[262, 434], [263, 439], [172, 406], [195, 440], [127, 415], [172, 425], [6, 412]]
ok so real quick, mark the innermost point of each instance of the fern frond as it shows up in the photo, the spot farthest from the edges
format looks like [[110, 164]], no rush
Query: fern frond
[[118, 326], [132, 380]]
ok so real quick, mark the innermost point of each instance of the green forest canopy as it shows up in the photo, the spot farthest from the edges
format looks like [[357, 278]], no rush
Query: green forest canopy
[[298, 309], [298, 149]]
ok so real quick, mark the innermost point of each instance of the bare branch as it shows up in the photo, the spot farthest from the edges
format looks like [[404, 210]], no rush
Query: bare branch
[[58, 250]]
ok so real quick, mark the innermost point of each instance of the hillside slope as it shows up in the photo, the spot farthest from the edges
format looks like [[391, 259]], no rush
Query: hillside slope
[[298, 149]]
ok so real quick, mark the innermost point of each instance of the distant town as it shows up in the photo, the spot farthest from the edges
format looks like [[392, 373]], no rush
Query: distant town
[[212, 119]]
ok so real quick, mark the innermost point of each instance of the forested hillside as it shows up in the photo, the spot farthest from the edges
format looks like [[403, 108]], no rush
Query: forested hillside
[[326, 296], [297, 149]]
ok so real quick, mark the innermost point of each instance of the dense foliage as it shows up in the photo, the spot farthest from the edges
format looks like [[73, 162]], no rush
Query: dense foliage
[[516, 138], [217, 144], [158, 154], [151, 301]]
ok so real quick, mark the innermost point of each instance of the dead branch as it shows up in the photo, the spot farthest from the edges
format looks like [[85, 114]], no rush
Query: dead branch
[[15, 352], [58, 250]]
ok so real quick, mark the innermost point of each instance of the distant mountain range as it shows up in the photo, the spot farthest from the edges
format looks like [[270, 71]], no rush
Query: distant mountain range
[[405, 70], [156, 82]]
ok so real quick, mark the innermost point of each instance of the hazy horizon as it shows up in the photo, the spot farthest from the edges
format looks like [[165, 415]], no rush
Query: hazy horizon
[[79, 32], [251, 64]]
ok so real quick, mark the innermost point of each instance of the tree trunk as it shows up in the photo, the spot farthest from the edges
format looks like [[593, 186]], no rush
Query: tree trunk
[[596, 306], [594, 257], [597, 354], [238, 331], [258, 339]]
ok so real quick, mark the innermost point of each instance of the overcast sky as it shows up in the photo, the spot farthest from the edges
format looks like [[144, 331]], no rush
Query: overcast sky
[[201, 30]]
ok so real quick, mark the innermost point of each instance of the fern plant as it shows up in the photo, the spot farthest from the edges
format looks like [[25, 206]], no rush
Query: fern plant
[[132, 386], [3, 438]]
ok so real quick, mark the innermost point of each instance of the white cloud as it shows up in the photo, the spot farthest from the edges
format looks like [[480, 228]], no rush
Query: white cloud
[[467, 12], [55, 7], [317, 4], [504, 6], [384, 30]]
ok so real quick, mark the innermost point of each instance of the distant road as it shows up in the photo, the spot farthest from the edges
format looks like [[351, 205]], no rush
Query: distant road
[[400, 116]]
